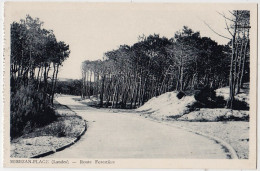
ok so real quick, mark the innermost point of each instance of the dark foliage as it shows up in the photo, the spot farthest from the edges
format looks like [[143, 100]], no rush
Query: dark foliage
[[155, 65], [72, 87], [240, 105], [207, 97], [233, 118], [195, 106], [35, 59], [29, 110], [180, 95]]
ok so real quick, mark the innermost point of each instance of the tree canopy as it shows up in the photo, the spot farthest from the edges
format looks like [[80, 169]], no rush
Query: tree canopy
[[35, 59], [131, 75]]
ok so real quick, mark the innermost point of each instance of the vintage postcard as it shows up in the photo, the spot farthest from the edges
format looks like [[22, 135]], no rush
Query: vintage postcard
[[130, 85]]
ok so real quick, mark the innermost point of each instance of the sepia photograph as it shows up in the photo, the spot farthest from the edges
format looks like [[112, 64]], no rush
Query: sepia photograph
[[130, 85]]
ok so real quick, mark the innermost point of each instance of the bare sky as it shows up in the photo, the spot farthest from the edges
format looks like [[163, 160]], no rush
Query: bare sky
[[92, 29]]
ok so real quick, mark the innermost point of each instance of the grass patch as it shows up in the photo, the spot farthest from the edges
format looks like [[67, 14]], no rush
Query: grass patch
[[65, 126]]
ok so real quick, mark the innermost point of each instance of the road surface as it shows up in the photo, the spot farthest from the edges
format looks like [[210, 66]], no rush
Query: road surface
[[121, 135]]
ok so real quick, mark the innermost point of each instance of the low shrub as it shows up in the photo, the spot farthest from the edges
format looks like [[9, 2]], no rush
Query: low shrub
[[29, 110], [205, 95], [58, 129], [220, 101], [180, 95], [208, 99], [240, 105], [195, 106], [68, 126]]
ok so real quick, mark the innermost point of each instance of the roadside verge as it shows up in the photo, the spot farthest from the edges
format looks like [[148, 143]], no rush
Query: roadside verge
[[57, 136], [64, 146]]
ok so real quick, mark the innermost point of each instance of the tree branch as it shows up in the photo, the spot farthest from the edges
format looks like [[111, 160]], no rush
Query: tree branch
[[228, 28], [231, 13], [216, 32], [225, 16]]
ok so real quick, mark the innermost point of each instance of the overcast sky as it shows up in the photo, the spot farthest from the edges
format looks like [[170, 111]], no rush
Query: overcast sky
[[92, 30]]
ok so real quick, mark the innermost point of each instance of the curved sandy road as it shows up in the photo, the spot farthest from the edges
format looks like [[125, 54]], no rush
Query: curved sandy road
[[116, 135]]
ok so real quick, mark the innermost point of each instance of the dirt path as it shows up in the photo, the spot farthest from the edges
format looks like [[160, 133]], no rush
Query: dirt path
[[116, 135]]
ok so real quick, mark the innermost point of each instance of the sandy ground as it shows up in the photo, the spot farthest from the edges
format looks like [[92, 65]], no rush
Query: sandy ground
[[235, 133], [114, 134], [163, 105], [28, 147]]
